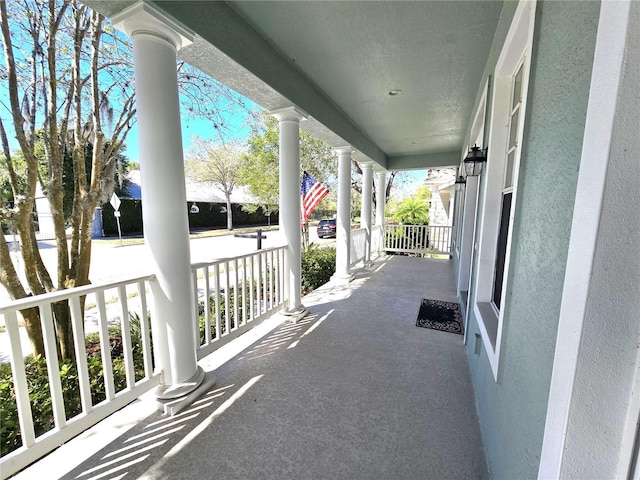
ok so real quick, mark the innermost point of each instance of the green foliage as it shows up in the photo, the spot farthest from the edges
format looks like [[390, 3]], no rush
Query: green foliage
[[242, 315], [318, 265], [261, 164], [411, 211], [38, 384], [209, 216]]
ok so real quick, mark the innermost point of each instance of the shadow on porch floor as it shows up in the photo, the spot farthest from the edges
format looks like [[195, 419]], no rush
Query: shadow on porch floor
[[354, 390]]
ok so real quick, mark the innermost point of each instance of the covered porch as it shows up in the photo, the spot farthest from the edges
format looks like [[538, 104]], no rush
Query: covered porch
[[354, 390]]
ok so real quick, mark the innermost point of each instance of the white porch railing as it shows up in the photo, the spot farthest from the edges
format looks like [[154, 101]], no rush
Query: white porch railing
[[419, 239], [358, 246], [240, 292], [377, 240], [104, 305]]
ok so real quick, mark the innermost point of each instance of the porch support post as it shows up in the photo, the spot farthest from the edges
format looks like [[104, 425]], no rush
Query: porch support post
[[343, 218], [156, 40], [469, 207], [381, 194], [365, 209], [289, 119]]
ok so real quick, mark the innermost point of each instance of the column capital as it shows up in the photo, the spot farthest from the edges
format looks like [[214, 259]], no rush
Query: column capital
[[346, 150], [144, 18], [366, 165], [288, 114]]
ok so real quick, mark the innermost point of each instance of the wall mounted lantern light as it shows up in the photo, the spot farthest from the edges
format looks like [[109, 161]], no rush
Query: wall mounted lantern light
[[475, 160], [460, 183]]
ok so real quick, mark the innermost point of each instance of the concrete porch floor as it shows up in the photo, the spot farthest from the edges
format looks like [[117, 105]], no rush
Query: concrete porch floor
[[353, 391]]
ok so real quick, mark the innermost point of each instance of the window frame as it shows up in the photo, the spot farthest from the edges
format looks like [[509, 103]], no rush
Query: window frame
[[515, 55]]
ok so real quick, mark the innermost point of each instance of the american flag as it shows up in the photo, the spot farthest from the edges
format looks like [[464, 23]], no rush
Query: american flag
[[312, 192]]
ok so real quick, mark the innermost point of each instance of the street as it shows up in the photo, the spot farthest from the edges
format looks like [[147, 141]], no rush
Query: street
[[110, 261]]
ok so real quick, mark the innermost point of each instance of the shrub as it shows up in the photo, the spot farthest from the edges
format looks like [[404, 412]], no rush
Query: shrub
[[318, 264], [40, 394]]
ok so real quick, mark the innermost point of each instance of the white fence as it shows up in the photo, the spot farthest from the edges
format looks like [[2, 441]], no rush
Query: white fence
[[418, 239], [377, 240], [358, 246], [233, 293], [94, 306], [239, 291]]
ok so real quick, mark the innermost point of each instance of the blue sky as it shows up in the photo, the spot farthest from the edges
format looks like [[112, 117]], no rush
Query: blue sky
[[237, 129]]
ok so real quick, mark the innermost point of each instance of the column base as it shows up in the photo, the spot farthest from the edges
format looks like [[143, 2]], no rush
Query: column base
[[173, 405], [294, 314], [342, 279]]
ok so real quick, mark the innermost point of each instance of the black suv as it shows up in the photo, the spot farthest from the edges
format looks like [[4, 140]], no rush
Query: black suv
[[327, 228]]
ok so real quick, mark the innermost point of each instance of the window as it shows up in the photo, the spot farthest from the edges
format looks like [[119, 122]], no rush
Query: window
[[507, 189], [500, 180]]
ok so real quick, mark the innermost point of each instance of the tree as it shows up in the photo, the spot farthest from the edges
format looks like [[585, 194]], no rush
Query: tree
[[218, 165], [262, 161], [70, 90], [411, 211], [392, 180]]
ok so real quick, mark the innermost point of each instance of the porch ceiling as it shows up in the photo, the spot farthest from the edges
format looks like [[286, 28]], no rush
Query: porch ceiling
[[338, 60]]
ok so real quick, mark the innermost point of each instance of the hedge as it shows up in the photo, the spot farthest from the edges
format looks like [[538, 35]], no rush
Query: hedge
[[208, 216]]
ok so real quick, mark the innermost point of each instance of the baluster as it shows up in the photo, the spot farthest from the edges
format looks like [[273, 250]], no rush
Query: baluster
[[252, 292], [216, 288], [236, 295], [53, 367], [144, 330], [227, 308], [244, 291], [194, 281], [77, 324], [207, 309], [25, 417], [127, 345], [105, 346]]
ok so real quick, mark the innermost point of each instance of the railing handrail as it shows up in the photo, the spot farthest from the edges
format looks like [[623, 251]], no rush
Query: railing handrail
[[253, 302], [236, 257], [419, 239], [68, 293]]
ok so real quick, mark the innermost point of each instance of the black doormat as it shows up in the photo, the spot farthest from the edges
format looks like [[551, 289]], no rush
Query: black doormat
[[439, 315]]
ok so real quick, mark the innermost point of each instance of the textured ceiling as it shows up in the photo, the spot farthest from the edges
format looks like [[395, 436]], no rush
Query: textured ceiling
[[338, 60], [355, 52]]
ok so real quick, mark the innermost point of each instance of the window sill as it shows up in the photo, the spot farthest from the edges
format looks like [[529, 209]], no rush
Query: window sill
[[488, 321]]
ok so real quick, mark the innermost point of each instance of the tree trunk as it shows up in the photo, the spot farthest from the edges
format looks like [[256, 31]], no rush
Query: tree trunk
[[229, 212], [64, 330], [9, 279]]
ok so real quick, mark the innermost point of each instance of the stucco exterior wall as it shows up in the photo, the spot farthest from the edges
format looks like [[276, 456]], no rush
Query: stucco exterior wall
[[512, 410], [610, 344]]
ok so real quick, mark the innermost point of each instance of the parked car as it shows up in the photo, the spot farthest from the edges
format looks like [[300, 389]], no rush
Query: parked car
[[327, 228]]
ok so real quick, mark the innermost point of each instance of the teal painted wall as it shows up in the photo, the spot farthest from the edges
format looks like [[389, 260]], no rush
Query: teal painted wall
[[512, 410]]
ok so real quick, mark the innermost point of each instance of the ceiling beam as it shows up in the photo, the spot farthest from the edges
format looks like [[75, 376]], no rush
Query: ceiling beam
[[424, 160]]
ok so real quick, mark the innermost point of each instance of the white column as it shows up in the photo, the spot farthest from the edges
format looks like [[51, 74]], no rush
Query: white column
[[289, 119], [365, 209], [469, 209], [381, 197], [381, 193], [343, 218], [166, 230]]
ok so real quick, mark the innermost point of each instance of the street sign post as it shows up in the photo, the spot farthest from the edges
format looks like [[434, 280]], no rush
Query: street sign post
[[115, 203]]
